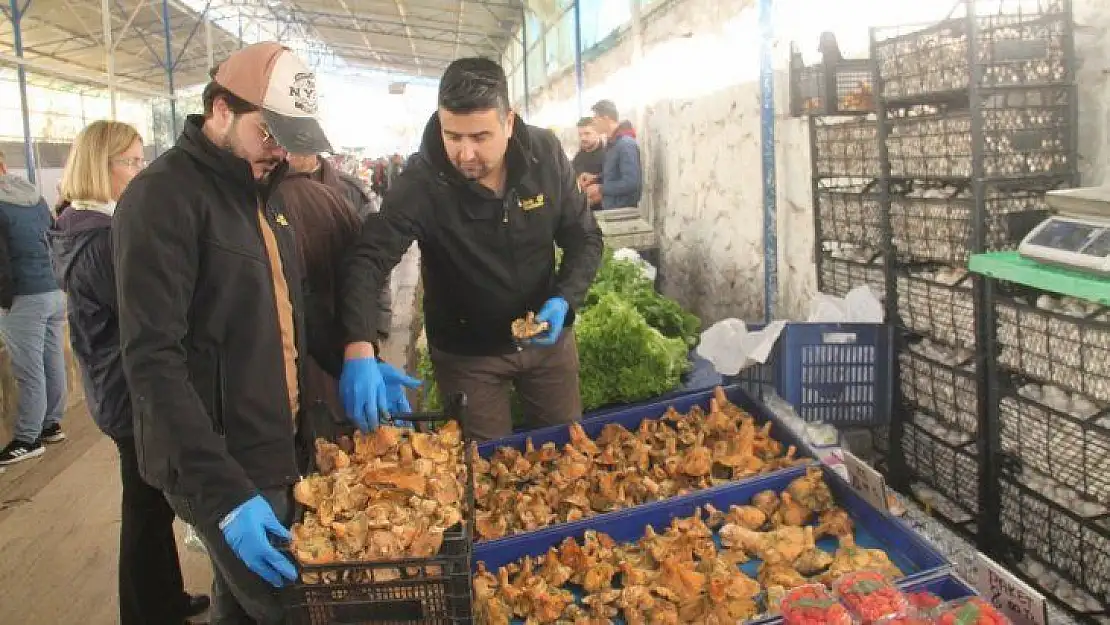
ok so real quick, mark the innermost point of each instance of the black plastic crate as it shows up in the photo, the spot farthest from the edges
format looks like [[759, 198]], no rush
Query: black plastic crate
[[1072, 449], [935, 223], [1023, 42], [836, 86], [1070, 349], [1026, 133], [413, 591], [1075, 547], [946, 391], [837, 275], [945, 461], [849, 211], [845, 147], [944, 312]]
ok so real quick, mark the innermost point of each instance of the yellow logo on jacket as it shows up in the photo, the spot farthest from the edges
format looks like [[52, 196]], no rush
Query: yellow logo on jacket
[[281, 220], [532, 203]]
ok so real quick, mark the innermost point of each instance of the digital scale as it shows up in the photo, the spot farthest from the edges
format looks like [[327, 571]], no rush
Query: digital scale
[[1078, 236]]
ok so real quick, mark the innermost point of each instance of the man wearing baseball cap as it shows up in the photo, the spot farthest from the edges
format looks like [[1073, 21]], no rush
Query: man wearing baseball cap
[[212, 323]]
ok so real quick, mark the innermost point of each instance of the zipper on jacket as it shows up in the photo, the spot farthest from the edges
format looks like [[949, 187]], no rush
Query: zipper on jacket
[[221, 396], [506, 206]]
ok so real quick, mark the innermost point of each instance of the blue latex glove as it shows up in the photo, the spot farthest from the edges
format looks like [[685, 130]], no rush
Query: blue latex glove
[[395, 384], [363, 391], [247, 530], [554, 313]]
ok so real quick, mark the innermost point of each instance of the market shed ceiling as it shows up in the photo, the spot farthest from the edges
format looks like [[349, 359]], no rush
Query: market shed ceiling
[[64, 39]]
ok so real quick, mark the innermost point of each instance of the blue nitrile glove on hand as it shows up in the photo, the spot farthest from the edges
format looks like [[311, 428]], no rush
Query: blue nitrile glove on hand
[[363, 391], [554, 313], [247, 530], [395, 384]]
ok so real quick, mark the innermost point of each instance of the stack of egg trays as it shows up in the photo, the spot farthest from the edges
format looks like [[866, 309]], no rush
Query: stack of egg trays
[[946, 461], [1067, 527], [1019, 43], [934, 222], [838, 276]]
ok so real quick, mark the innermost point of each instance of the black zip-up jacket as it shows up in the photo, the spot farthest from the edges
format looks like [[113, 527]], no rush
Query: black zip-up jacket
[[199, 327], [485, 260], [81, 243]]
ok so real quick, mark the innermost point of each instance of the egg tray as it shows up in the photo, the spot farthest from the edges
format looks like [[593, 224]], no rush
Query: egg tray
[[845, 147], [951, 470], [1074, 451], [942, 229], [1076, 548], [946, 392], [849, 213], [841, 88], [939, 311], [1026, 42], [415, 591], [837, 276], [1047, 346], [1025, 133]]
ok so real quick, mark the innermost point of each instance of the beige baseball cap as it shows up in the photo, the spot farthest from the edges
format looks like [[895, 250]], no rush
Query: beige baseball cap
[[268, 75]]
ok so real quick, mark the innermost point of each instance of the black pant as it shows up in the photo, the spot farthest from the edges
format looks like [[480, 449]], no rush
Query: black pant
[[151, 591]]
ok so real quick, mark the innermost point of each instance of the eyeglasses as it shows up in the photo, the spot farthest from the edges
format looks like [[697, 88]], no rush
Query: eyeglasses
[[268, 138], [133, 163]]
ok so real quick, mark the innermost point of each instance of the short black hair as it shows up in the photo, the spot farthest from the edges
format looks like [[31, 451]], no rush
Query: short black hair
[[606, 109], [214, 91], [586, 122], [474, 84]]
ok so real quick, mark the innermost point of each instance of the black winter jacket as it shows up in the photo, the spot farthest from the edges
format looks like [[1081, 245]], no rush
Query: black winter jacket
[[485, 260], [199, 327], [81, 243]]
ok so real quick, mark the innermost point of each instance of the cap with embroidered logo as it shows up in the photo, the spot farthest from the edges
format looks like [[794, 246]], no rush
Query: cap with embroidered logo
[[269, 76]]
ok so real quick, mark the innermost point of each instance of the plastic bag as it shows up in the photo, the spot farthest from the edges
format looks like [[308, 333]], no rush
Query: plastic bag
[[813, 605], [647, 269], [731, 348], [192, 540]]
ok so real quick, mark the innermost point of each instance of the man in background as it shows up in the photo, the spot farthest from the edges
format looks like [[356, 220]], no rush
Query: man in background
[[590, 157], [621, 182]]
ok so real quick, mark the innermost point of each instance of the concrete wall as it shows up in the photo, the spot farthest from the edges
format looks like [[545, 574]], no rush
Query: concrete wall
[[701, 143]]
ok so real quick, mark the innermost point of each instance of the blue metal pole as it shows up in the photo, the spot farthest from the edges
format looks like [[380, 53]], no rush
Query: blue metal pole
[[21, 73], [579, 80], [169, 65], [524, 47], [767, 136]]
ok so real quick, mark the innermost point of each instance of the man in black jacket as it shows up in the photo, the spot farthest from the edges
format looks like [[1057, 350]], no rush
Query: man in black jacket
[[212, 328], [488, 200]]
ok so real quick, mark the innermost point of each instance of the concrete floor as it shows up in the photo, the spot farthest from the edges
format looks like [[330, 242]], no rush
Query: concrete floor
[[59, 513]]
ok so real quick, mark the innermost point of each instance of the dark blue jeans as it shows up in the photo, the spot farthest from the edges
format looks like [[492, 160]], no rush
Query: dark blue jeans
[[32, 333]]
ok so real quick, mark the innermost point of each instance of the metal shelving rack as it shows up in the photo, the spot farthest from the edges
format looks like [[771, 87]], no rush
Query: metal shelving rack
[[976, 121]]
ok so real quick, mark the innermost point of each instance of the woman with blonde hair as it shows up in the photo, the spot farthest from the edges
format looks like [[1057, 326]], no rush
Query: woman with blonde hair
[[104, 158]]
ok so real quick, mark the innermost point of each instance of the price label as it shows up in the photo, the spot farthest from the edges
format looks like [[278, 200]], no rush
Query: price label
[[1013, 597], [869, 482]]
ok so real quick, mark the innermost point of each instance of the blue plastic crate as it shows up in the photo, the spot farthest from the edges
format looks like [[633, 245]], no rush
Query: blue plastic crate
[[837, 373], [631, 416], [913, 554]]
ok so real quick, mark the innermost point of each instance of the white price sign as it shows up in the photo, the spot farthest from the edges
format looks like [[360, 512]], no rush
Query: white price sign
[[1013, 597], [869, 482]]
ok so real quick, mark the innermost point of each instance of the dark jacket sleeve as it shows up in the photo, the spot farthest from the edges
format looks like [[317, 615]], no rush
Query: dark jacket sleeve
[[102, 272], [384, 239], [628, 164], [7, 281], [156, 251], [577, 233]]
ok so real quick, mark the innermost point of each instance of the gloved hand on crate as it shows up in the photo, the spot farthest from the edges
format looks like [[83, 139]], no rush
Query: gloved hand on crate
[[247, 530], [370, 388]]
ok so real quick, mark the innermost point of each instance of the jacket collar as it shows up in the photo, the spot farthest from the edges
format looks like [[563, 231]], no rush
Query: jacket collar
[[221, 162], [520, 160]]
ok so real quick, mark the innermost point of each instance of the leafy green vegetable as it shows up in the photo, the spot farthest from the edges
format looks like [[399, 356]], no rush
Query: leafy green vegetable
[[662, 313], [622, 358]]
